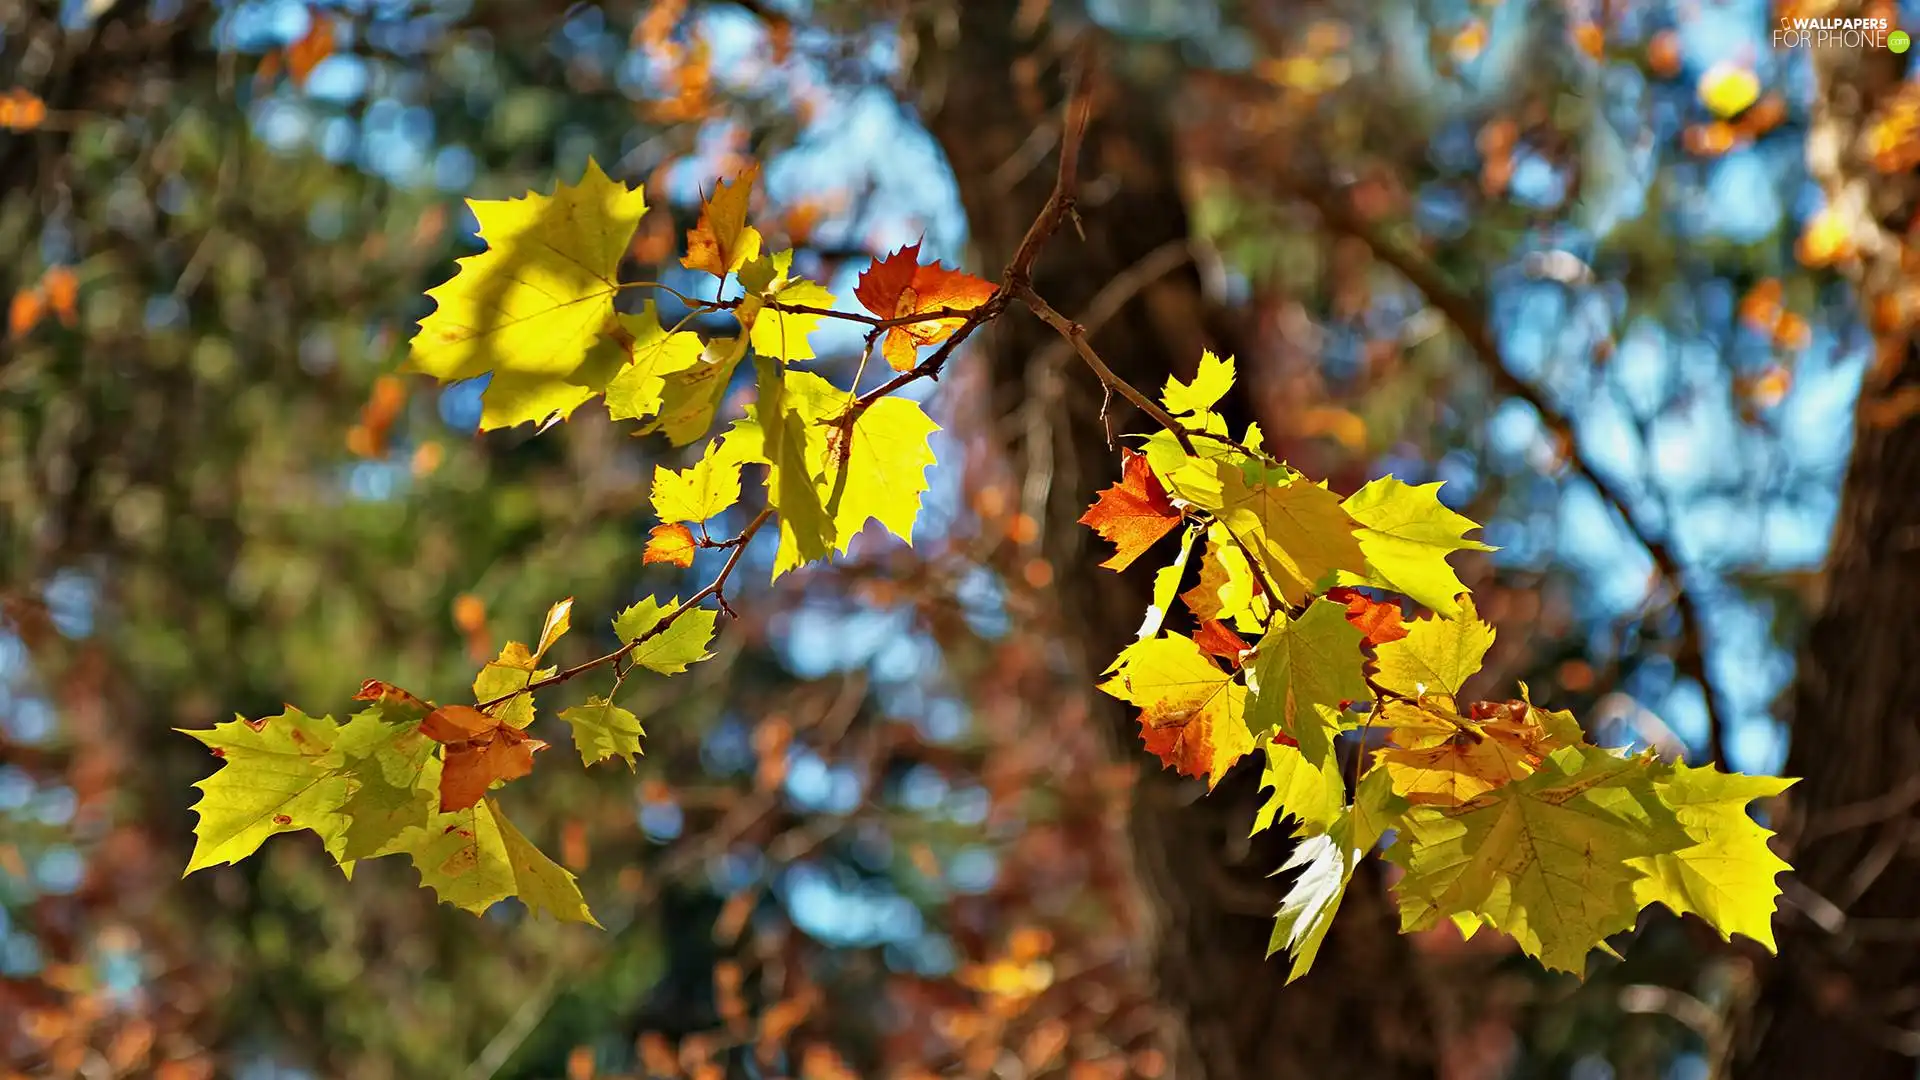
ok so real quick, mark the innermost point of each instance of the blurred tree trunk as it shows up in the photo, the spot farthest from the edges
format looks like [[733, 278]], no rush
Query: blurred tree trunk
[[990, 90], [1843, 999]]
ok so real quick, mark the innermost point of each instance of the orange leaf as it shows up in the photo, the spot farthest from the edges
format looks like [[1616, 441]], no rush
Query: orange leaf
[[722, 240], [1218, 639], [1380, 620], [63, 293], [1438, 763], [473, 767], [450, 724], [1457, 771], [25, 311], [1133, 513], [898, 287], [670, 543]]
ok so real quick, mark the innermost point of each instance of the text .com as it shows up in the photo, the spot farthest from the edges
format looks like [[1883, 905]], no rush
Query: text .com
[[1842, 33]]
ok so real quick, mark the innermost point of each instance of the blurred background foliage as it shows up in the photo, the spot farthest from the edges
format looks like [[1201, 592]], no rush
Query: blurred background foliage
[[1567, 257]]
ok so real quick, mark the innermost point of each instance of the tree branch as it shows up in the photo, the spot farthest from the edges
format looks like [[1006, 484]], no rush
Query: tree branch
[[714, 588]]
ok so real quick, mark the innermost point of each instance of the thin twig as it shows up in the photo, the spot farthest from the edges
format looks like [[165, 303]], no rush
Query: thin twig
[[1076, 335], [714, 589]]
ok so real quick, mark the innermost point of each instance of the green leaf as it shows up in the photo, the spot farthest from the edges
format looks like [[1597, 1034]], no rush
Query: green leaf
[[1296, 529], [1726, 876], [475, 858], [793, 444], [394, 781], [650, 354], [1166, 584], [279, 775], [669, 652], [531, 307], [1549, 860], [1437, 656], [1192, 713], [603, 730], [1313, 795], [1326, 863], [699, 492], [1406, 534], [1211, 381], [1302, 670]]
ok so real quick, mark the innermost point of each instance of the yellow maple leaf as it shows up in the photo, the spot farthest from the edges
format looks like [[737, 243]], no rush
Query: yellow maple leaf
[[532, 306]]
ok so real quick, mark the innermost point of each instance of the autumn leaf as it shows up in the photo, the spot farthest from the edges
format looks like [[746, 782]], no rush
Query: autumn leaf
[[1326, 863], [792, 446], [1437, 656], [474, 858], [898, 287], [1297, 529], [1548, 860], [1193, 714], [699, 492], [1211, 381], [1313, 795], [671, 650], [1726, 876], [513, 670], [1463, 768], [603, 730], [1228, 590], [1166, 583], [1303, 671], [1406, 534], [480, 752], [531, 307], [645, 355], [1216, 638], [397, 703], [670, 543], [1132, 514], [277, 775], [721, 241], [1379, 621], [558, 621]]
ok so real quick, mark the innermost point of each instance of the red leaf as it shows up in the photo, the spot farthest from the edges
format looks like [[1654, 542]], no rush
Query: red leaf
[[898, 287], [1380, 620], [1187, 747], [1133, 513], [1218, 638]]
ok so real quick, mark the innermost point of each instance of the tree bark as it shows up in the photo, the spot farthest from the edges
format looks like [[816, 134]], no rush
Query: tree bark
[[1840, 999], [1210, 903]]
